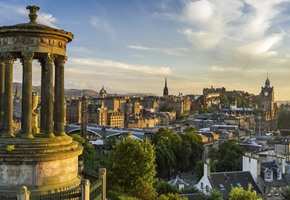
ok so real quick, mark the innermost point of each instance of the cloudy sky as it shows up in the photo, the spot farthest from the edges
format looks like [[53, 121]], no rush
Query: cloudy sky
[[132, 45]]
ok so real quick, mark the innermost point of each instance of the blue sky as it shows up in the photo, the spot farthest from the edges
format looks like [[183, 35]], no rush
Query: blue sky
[[132, 45]]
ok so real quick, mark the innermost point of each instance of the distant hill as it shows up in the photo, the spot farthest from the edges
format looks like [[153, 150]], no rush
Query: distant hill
[[67, 92], [77, 92], [140, 94]]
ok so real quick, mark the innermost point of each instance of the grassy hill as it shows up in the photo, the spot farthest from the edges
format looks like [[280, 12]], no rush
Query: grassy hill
[[67, 92]]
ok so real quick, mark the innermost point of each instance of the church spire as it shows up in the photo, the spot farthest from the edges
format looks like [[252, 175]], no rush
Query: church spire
[[165, 90], [267, 82]]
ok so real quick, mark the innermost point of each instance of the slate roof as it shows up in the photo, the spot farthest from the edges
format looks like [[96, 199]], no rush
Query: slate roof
[[225, 181], [177, 180], [210, 134], [275, 182]]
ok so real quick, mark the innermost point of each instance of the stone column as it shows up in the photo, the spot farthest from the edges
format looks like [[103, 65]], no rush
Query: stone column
[[42, 110], [103, 176], [23, 193], [2, 89], [47, 95], [59, 96], [26, 118], [85, 189], [8, 101]]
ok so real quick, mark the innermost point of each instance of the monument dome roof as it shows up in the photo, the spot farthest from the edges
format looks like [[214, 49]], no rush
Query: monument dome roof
[[33, 27]]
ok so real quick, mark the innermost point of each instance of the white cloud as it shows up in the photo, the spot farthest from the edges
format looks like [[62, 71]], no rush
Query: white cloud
[[169, 51], [137, 69], [217, 69], [11, 13], [209, 21], [46, 19], [101, 24], [262, 47], [229, 23], [259, 20], [202, 40], [199, 11]]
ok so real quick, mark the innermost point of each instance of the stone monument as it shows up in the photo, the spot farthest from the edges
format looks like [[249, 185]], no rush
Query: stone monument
[[45, 161]]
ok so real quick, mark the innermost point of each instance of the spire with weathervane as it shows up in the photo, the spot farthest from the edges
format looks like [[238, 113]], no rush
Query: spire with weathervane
[[165, 90], [267, 83]]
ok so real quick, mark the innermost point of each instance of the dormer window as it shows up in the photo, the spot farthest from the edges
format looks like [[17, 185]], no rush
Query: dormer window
[[270, 193], [279, 175], [268, 175], [222, 187], [277, 192]]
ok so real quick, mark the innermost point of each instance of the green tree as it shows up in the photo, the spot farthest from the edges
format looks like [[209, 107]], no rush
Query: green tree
[[168, 145], [113, 195], [286, 193], [165, 158], [163, 187], [199, 169], [241, 194], [176, 152], [78, 138], [89, 155], [182, 155], [131, 168], [189, 135], [170, 196], [228, 157], [214, 195]]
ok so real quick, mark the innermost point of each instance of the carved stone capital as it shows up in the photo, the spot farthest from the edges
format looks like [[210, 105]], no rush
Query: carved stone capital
[[27, 57], [1, 58], [8, 57], [60, 60], [47, 60]]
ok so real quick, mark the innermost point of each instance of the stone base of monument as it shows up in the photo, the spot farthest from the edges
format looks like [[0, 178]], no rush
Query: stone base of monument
[[43, 165]]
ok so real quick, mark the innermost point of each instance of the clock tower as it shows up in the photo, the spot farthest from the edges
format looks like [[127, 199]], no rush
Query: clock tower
[[267, 117], [267, 97]]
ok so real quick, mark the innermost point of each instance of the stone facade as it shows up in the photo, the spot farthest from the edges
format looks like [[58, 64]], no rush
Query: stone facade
[[73, 111], [116, 119], [42, 174]]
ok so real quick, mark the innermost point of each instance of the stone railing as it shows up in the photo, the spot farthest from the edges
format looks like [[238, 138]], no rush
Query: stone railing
[[73, 193], [98, 188]]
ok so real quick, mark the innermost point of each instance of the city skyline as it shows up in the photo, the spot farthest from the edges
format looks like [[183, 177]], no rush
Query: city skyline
[[132, 46]]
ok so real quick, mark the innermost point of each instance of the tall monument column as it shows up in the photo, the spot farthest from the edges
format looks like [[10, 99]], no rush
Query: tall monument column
[[59, 96], [47, 95], [26, 118], [2, 85], [8, 101], [42, 103]]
